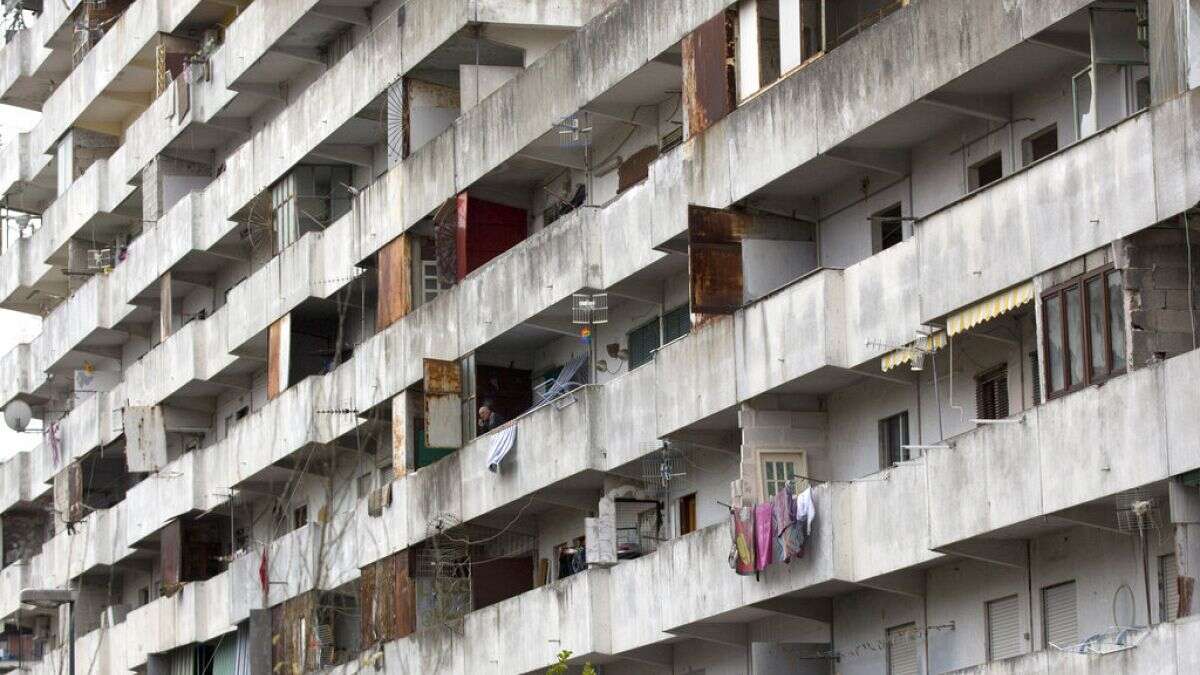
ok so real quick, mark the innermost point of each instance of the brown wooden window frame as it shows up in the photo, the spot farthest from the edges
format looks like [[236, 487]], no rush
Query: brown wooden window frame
[[1060, 291]]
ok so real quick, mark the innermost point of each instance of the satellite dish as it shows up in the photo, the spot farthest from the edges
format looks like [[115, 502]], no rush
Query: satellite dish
[[17, 415]]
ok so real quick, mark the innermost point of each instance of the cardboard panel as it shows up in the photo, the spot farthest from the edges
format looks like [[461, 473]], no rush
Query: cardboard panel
[[715, 271], [68, 494], [395, 282], [443, 404], [145, 439], [279, 340], [709, 72]]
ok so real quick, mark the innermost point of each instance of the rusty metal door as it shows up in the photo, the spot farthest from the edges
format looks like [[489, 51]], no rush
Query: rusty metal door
[[715, 259], [170, 544], [145, 439], [709, 72], [443, 404], [395, 282]]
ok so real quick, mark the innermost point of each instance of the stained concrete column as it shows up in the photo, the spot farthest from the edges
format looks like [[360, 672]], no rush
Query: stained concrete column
[[1185, 516]]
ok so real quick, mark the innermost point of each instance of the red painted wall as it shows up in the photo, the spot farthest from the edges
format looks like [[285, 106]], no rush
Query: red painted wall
[[485, 230]]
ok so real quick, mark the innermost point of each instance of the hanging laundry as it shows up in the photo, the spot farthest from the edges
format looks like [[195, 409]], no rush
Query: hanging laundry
[[783, 520], [741, 556], [763, 515], [796, 536]]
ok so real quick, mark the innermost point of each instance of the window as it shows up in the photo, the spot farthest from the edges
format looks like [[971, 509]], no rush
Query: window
[[778, 469], [893, 436], [1168, 588], [902, 650], [1040, 144], [1059, 621], [431, 281], [687, 514], [677, 323], [1083, 325], [143, 596], [643, 340], [988, 171], [1081, 93], [1003, 618], [887, 228], [299, 516], [991, 393]]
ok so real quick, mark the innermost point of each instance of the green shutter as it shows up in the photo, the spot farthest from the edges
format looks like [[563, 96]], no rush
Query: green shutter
[[643, 340], [427, 456], [677, 323]]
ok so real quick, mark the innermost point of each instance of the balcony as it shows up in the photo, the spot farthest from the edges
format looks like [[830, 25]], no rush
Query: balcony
[[1066, 454]]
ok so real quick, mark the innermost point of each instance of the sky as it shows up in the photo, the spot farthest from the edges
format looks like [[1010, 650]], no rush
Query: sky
[[15, 327]]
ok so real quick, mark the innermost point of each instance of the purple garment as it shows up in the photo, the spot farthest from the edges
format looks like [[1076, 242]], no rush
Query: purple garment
[[741, 558], [763, 515], [783, 517]]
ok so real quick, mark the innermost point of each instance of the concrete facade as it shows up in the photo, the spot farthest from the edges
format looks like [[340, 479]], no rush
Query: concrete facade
[[291, 255]]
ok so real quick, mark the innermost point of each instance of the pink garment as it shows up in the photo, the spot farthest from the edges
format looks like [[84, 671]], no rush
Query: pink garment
[[763, 514]]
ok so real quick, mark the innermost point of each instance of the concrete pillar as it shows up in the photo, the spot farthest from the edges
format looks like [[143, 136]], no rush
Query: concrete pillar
[[1185, 516], [600, 533], [166, 180]]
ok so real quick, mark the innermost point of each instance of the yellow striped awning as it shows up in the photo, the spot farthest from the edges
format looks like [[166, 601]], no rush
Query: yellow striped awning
[[905, 354], [989, 309]]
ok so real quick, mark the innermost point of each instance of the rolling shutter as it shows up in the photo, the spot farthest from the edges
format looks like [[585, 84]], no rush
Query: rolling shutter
[[1059, 620], [1168, 588], [1003, 628], [902, 650]]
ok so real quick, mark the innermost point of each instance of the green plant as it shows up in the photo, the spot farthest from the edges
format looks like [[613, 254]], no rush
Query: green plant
[[560, 668]]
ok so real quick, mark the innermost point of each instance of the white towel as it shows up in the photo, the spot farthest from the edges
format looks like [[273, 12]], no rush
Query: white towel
[[806, 510], [502, 442]]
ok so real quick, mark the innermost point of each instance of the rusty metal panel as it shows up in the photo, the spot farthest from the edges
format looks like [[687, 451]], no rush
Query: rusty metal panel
[[387, 600], [443, 404], [145, 439], [635, 169], [395, 282], [442, 377], [170, 546], [291, 627], [279, 339], [715, 259], [709, 72]]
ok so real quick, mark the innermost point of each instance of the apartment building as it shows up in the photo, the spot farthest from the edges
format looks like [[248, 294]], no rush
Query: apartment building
[[666, 336]]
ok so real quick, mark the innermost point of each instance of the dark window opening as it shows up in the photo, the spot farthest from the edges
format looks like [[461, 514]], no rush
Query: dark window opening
[[1041, 144], [986, 172], [687, 514], [1083, 331], [889, 227], [643, 340], [893, 436], [299, 516], [991, 394]]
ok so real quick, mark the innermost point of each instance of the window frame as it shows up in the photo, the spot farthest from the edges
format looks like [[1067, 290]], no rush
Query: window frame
[[991, 377], [974, 182], [1060, 291], [906, 436], [795, 457]]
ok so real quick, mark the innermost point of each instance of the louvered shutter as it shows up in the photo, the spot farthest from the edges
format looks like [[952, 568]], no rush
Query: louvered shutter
[[1037, 377], [991, 394], [1059, 620], [902, 650], [1168, 588], [1004, 628]]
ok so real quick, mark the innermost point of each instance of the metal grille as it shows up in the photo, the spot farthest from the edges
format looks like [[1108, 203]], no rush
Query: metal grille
[[1168, 588], [1136, 511]]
